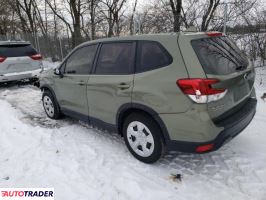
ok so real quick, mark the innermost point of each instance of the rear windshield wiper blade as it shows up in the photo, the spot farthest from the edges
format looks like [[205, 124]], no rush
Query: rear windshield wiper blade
[[241, 67]]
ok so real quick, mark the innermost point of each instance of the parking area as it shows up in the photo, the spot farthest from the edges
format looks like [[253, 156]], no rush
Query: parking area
[[82, 162]]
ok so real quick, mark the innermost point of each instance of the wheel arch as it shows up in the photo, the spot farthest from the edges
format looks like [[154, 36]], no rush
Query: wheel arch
[[46, 87], [129, 108], [49, 88]]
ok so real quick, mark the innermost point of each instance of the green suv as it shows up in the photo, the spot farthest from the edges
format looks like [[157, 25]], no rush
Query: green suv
[[189, 92]]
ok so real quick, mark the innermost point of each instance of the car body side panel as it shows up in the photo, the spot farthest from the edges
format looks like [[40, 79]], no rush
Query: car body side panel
[[194, 125], [193, 65], [71, 93], [105, 97], [157, 88]]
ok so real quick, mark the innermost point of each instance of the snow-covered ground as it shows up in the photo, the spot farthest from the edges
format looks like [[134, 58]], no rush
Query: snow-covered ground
[[83, 163], [47, 64]]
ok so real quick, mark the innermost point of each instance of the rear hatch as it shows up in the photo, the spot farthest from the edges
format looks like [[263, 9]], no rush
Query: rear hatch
[[221, 59], [18, 57]]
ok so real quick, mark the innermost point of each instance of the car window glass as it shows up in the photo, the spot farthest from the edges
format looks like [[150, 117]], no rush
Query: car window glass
[[81, 61], [152, 56], [17, 50], [219, 55], [116, 58]]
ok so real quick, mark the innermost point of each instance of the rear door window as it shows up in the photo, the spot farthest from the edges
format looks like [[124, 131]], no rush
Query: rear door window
[[219, 55], [18, 50], [81, 61], [152, 55], [116, 58]]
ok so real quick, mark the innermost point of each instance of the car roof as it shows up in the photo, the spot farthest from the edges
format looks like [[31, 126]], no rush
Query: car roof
[[4, 43], [132, 37], [146, 37]]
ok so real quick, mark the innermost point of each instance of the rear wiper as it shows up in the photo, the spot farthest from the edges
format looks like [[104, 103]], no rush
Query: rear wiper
[[240, 67]]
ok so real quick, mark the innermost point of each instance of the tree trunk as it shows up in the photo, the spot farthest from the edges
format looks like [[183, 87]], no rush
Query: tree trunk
[[110, 25], [131, 25], [92, 15], [76, 35], [209, 14], [176, 6]]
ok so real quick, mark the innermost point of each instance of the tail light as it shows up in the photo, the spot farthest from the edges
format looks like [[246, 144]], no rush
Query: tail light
[[2, 59], [36, 57], [201, 90]]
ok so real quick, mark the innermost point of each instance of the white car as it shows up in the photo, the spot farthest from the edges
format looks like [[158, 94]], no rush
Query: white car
[[19, 61]]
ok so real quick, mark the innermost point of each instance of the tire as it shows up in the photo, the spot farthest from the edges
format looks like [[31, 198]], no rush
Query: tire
[[50, 105], [35, 82], [143, 137]]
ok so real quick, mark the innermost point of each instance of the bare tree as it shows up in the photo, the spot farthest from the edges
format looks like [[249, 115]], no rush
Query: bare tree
[[26, 13], [131, 21], [208, 15], [176, 6], [75, 10], [7, 21], [93, 4], [112, 14], [253, 39]]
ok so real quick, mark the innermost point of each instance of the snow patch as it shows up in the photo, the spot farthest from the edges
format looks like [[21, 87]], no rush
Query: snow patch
[[81, 162]]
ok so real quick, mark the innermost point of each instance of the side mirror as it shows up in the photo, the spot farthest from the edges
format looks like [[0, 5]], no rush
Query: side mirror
[[58, 72]]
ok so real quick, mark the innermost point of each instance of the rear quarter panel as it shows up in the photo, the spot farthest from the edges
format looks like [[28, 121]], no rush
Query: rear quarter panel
[[157, 89], [192, 63]]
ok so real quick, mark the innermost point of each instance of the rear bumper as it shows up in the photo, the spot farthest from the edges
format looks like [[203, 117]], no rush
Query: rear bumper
[[233, 125], [20, 76]]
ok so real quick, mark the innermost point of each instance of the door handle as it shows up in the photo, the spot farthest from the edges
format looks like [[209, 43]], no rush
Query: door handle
[[123, 86], [81, 83]]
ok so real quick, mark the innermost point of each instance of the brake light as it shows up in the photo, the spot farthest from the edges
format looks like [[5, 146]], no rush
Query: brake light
[[214, 34], [2, 59], [201, 90], [204, 148], [36, 57]]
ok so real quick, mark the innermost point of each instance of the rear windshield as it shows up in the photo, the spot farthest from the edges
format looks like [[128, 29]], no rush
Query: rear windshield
[[17, 50], [219, 55]]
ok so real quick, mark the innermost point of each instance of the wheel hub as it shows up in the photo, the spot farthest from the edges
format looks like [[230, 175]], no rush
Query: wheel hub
[[48, 106], [140, 139]]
